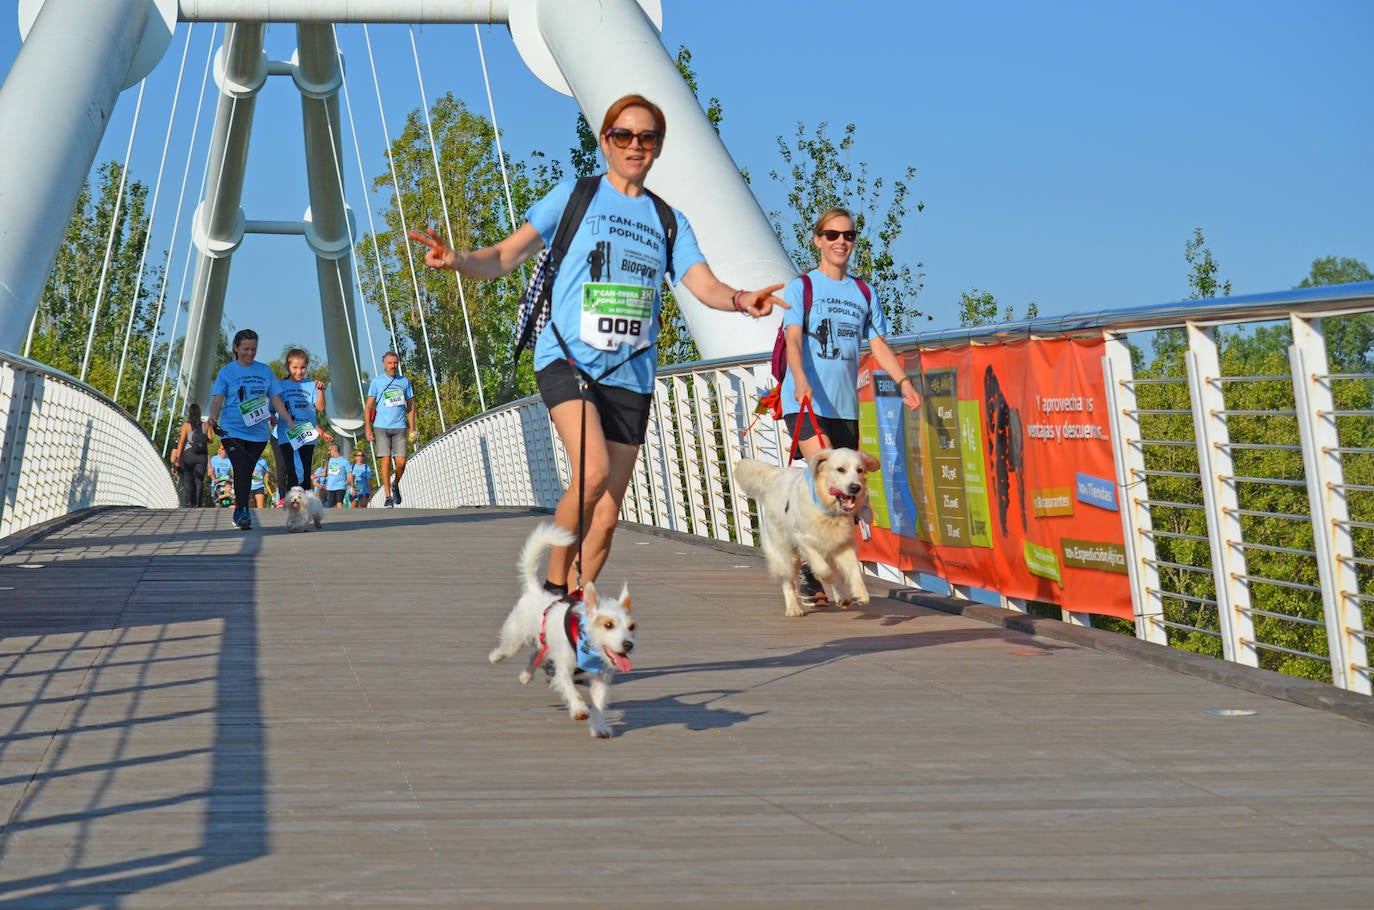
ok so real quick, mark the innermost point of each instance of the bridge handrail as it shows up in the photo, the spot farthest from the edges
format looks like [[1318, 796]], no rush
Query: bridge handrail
[[65, 447], [702, 421]]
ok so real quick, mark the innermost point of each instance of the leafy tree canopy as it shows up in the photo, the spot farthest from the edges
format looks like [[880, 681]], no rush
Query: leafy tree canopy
[[980, 308]]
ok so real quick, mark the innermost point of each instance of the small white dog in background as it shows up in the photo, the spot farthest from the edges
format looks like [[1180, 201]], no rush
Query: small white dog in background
[[303, 508], [596, 635], [809, 516]]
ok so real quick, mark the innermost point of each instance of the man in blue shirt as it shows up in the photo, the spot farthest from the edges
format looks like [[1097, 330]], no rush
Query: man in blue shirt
[[389, 421]]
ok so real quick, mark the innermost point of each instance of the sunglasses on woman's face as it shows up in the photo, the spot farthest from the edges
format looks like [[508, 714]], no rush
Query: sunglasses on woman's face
[[621, 138], [836, 235]]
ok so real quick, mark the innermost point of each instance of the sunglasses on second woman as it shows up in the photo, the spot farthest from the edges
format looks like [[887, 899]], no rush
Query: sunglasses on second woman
[[621, 138], [836, 235]]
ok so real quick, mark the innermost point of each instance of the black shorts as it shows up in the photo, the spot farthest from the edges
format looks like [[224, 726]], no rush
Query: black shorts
[[334, 497], [843, 434], [624, 414]]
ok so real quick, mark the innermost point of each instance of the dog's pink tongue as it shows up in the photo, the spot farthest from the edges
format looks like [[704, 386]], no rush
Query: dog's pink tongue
[[621, 661]]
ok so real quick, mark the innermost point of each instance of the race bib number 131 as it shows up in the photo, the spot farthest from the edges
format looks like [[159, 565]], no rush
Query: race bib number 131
[[254, 410], [616, 314]]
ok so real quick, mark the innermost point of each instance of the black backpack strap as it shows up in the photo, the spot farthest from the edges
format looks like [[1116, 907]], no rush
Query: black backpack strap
[[668, 219], [568, 223], [573, 212], [806, 300]]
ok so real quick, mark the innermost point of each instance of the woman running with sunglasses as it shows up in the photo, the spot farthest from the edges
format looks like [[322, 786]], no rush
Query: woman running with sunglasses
[[823, 353], [619, 256]]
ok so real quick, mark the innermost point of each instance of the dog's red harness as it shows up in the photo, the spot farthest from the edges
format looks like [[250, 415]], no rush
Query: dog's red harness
[[571, 627]]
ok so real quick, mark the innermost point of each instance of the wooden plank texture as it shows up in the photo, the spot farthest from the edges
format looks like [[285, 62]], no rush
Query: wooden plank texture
[[193, 716]]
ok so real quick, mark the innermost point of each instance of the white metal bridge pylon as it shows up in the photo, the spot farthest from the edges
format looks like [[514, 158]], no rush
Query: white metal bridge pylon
[[78, 56], [220, 225]]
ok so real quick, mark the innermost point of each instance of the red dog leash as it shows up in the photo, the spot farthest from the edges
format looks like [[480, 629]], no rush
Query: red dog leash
[[809, 411]]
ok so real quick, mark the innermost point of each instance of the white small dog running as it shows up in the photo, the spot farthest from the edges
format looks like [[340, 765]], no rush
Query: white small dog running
[[809, 516], [303, 508], [596, 635]]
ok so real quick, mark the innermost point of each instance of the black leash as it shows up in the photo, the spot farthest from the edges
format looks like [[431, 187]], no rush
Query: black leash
[[585, 384]]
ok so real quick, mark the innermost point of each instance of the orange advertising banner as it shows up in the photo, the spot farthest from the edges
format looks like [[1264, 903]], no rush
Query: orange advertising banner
[[1004, 477]]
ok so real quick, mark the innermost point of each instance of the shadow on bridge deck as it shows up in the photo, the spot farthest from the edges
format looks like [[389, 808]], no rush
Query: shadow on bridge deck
[[192, 715]]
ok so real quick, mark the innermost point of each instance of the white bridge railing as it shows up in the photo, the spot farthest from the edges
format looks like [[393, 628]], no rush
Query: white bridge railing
[[65, 447], [1248, 529]]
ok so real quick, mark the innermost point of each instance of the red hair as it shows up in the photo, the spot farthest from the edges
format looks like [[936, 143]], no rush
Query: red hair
[[621, 104]]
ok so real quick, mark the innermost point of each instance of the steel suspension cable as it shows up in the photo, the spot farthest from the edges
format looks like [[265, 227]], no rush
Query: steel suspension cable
[[176, 228], [401, 210], [214, 210], [336, 156], [152, 216], [371, 224], [114, 227], [500, 153], [376, 251], [495, 130], [448, 223], [33, 324]]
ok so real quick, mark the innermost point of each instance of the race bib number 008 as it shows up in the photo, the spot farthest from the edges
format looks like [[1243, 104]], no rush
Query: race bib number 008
[[616, 314]]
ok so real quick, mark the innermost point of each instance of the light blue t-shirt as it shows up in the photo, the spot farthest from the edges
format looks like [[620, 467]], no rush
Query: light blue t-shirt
[[317, 476], [247, 394], [299, 398], [839, 322], [336, 473], [260, 475], [615, 265], [391, 394], [362, 477], [221, 468]]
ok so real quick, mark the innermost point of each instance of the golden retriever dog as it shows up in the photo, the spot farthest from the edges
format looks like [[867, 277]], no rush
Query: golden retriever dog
[[808, 516]]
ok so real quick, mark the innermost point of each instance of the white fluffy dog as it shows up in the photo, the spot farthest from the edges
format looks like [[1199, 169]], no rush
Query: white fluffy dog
[[303, 508], [596, 635], [808, 516]]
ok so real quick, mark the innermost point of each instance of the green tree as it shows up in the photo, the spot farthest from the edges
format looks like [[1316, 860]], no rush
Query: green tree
[[1349, 339], [1202, 280], [63, 320], [818, 174], [1165, 414], [1170, 345], [428, 304], [1268, 471], [981, 308], [1336, 270]]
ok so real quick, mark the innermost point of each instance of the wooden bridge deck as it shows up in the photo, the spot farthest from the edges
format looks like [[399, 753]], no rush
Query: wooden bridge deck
[[192, 716]]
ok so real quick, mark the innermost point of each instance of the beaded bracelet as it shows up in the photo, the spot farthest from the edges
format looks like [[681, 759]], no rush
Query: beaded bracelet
[[738, 295]]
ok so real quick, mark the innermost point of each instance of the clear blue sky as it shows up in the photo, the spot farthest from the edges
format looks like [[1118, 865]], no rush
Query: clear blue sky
[[1065, 151]]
